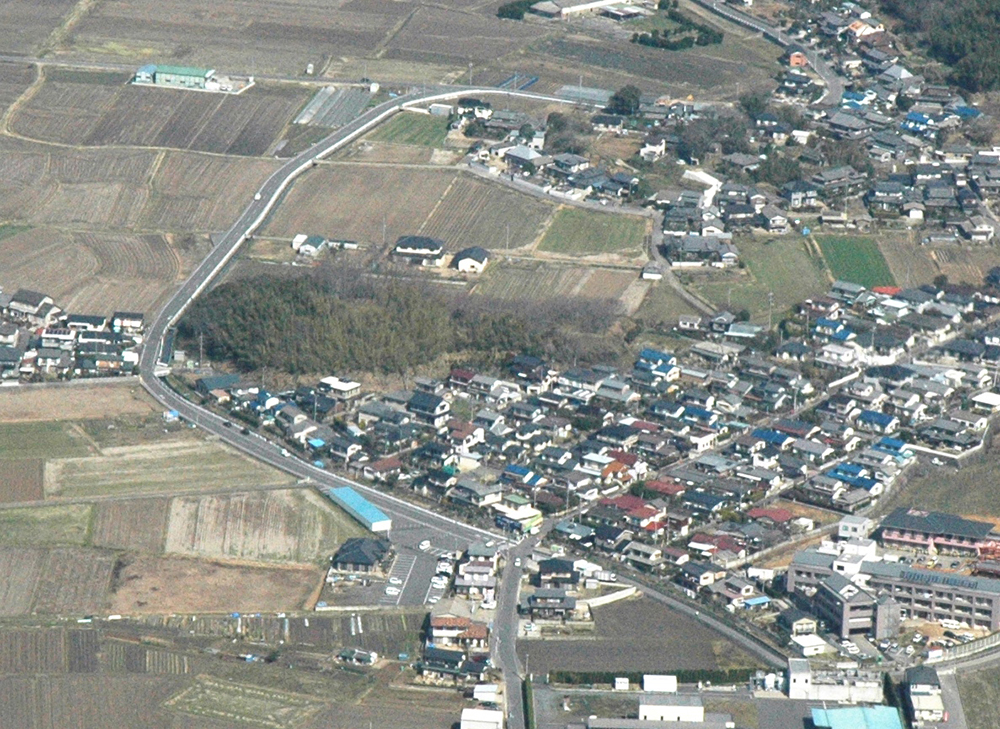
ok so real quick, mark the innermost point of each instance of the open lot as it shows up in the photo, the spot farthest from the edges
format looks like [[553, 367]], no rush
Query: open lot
[[980, 692], [969, 490], [294, 525], [855, 258], [581, 232], [325, 202], [785, 266], [174, 584], [116, 113], [524, 280], [636, 635], [14, 79], [96, 399], [413, 128], [184, 463]]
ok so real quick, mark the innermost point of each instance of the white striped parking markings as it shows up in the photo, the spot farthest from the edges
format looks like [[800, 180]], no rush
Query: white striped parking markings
[[402, 568]]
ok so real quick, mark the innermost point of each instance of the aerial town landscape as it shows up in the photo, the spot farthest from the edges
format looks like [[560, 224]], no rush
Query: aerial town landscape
[[542, 364]]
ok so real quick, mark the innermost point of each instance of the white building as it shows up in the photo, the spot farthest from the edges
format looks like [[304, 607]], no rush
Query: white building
[[481, 719], [671, 707]]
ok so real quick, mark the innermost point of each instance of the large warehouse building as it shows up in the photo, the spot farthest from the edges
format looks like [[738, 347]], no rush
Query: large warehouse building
[[180, 77], [369, 515]]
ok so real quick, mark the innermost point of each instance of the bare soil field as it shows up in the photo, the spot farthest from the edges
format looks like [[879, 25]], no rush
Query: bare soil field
[[138, 525], [74, 581], [211, 698], [32, 651], [19, 573], [126, 115], [477, 213], [636, 635], [87, 701], [179, 464], [202, 192], [439, 35], [325, 202], [14, 79], [21, 480], [90, 272], [271, 526], [521, 280], [174, 584], [25, 24], [99, 399], [276, 37]]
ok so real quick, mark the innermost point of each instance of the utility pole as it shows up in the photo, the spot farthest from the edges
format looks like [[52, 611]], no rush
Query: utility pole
[[770, 308], [470, 73], [508, 236]]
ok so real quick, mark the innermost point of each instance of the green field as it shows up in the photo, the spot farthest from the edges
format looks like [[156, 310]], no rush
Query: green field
[[970, 491], [583, 232], [45, 525], [409, 128], [980, 693], [39, 440], [856, 259], [783, 266], [9, 230]]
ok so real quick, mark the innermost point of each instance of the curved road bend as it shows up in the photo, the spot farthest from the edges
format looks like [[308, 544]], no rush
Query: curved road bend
[[833, 81]]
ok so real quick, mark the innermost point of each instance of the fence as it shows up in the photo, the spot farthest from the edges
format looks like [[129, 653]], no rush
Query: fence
[[966, 649]]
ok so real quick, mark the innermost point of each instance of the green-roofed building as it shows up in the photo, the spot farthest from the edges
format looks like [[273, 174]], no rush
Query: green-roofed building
[[184, 77]]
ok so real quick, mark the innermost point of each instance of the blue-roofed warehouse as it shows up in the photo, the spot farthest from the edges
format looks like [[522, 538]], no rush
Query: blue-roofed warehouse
[[857, 717], [373, 518]]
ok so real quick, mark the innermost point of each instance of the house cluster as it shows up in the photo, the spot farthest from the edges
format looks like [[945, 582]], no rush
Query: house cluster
[[456, 649], [422, 250], [914, 564], [40, 340]]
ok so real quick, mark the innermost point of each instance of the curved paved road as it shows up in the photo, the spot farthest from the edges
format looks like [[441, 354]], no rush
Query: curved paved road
[[834, 83]]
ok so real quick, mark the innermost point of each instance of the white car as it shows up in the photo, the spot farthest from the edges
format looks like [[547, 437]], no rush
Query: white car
[[395, 581], [424, 545], [438, 581], [517, 561], [392, 591]]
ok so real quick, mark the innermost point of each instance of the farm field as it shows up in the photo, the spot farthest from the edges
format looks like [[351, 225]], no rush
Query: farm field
[[278, 38], [24, 25], [271, 526], [856, 259], [411, 128], [214, 699], [74, 581], [138, 525], [97, 399], [14, 79], [41, 526], [20, 570], [115, 113], [581, 232], [784, 266], [325, 202], [39, 440], [980, 694], [21, 480], [637, 635], [521, 280], [32, 651], [153, 585], [171, 465], [86, 701], [478, 213], [435, 34]]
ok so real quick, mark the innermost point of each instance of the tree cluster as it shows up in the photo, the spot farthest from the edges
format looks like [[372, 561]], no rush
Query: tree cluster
[[964, 35], [688, 34], [348, 321], [515, 10]]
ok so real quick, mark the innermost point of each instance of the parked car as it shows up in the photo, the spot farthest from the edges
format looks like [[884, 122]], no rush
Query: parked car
[[392, 591]]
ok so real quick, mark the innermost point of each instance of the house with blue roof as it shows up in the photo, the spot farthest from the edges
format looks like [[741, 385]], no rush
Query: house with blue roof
[[700, 416], [656, 357], [780, 441], [917, 122], [875, 422]]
